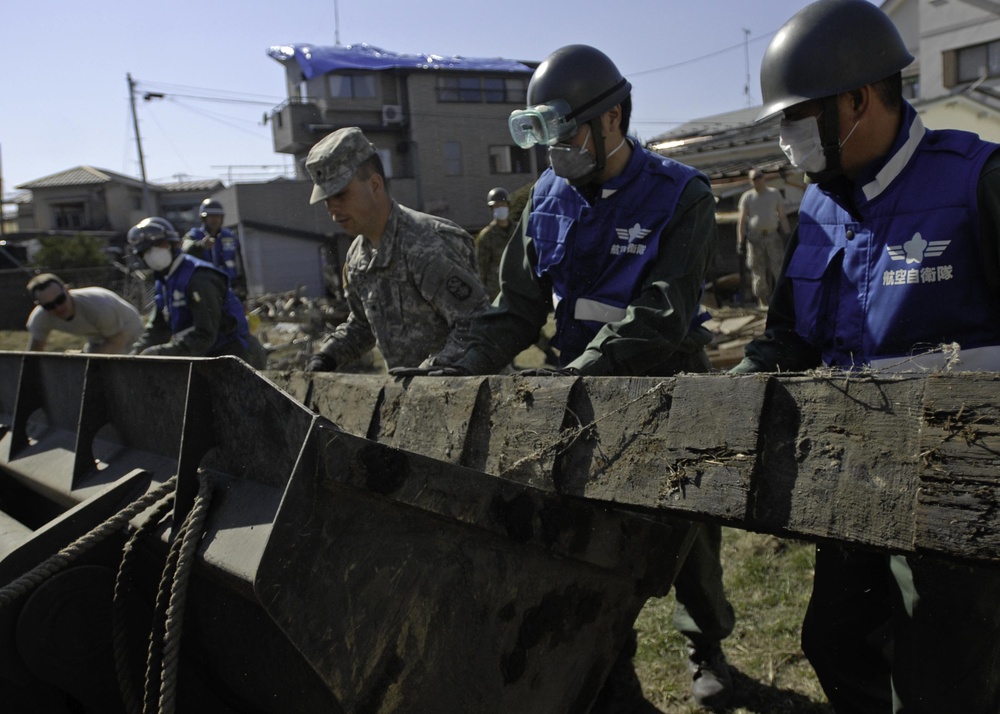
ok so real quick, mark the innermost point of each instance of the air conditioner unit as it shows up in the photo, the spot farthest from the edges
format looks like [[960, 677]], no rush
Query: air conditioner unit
[[392, 115]]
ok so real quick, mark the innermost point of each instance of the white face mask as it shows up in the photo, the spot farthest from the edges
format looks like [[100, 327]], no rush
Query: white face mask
[[501, 213], [158, 259], [800, 141]]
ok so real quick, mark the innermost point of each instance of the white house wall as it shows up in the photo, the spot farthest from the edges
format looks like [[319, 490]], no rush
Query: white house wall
[[960, 113], [949, 26]]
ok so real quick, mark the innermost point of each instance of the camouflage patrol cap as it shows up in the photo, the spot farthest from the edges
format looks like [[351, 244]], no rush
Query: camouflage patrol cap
[[333, 160]]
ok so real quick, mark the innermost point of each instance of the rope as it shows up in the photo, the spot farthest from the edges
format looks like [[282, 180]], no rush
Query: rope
[[59, 561], [154, 658], [190, 536], [123, 656]]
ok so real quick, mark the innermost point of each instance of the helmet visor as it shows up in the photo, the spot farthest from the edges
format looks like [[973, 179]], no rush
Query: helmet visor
[[545, 124]]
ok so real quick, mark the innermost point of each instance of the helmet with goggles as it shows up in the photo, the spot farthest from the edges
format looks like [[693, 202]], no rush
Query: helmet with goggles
[[150, 231], [572, 86]]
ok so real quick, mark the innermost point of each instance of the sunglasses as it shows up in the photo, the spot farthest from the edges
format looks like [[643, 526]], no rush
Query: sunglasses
[[55, 303]]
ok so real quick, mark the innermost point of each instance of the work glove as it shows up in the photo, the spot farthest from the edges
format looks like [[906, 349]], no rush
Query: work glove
[[431, 371], [321, 362], [550, 372]]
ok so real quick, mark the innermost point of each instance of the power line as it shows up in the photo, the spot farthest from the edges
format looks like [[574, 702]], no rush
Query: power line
[[208, 93], [716, 53]]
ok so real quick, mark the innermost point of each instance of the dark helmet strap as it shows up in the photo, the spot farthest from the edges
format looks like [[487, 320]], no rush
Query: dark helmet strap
[[577, 111], [831, 132], [830, 135], [602, 155]]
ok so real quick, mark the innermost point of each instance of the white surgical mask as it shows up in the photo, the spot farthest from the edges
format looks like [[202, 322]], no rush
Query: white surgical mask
[[501, 213], [158, 259], [800, 141]]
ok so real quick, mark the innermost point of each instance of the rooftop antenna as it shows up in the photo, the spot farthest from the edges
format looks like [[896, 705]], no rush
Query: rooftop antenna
[[746, 61], [336, 22]]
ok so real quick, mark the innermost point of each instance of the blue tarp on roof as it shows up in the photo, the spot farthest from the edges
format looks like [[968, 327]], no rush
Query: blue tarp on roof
[[315, 61]]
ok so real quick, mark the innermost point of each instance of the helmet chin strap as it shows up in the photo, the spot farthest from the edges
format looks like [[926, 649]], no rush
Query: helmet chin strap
[[830, 134], [600, 161]]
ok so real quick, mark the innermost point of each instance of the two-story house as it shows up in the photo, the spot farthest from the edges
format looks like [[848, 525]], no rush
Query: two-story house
[[439, 123], [85, 199]]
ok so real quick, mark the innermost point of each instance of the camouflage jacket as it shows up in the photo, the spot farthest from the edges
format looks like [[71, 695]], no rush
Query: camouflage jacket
[[408, 295], [490, 244]]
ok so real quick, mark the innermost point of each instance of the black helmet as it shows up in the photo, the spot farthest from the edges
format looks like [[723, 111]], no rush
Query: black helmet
[[827, 48], [150, 231], [497, 195], [211, 207], [583, 77]]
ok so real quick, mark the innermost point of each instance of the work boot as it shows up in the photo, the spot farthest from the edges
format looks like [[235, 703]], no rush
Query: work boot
[[711, 680]]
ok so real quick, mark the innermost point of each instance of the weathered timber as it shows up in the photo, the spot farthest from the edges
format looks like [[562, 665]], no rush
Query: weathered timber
[[907, 463]]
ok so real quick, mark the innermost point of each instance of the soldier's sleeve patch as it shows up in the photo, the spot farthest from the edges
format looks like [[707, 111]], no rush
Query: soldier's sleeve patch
[[459, 289]]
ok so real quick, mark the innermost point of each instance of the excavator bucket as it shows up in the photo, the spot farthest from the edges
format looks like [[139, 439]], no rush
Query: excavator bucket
[[183, 535]]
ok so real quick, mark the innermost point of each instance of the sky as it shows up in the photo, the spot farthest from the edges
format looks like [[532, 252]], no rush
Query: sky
[[66, 93]]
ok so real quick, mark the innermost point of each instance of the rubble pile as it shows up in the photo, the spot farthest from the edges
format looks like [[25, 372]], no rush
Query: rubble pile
[[290, 325], [732, 329]]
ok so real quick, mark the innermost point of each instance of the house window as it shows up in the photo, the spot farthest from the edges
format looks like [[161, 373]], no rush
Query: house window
[[517, 91], [494, 90], [352, 86], [509, 160], [911, 87], [968, 64], [452, 158], [69, 215]]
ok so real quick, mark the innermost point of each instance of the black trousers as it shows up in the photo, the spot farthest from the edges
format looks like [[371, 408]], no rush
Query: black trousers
[[909, 635]]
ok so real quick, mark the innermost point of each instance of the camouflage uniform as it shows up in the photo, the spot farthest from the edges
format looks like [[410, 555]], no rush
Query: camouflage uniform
[[490, 244], [407, 296]]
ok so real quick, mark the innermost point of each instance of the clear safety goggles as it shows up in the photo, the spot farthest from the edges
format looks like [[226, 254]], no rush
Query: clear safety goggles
[[545, 124]]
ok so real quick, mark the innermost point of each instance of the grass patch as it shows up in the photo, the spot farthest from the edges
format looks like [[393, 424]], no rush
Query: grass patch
[[17, 341], [768, 581]]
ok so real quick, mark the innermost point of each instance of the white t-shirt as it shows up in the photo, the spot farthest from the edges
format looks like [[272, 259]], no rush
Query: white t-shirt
[[98, 314], [762, 208]]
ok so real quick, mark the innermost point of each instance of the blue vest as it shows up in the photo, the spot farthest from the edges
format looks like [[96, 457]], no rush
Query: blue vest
[[904, 273], [171, 295], [224, 250], [597, 256]]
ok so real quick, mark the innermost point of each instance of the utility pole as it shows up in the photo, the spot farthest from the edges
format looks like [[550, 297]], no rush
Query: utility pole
[[746, 61], [146, 201]]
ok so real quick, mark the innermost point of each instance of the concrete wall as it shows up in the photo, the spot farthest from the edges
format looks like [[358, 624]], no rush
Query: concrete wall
[[961, 113], [282, 235], [474, 127]]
